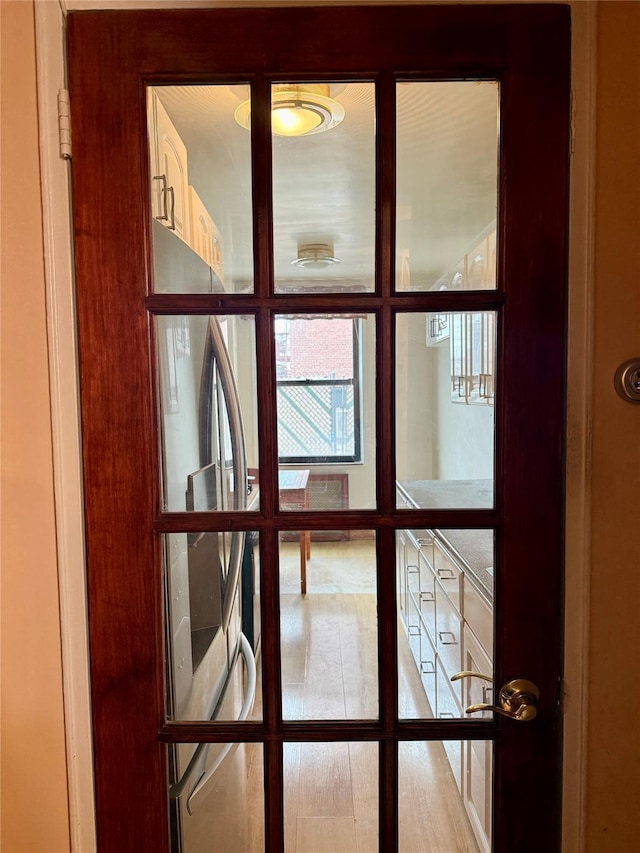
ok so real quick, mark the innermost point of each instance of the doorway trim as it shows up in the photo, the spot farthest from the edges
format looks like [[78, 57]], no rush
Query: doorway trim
[[66, 429]]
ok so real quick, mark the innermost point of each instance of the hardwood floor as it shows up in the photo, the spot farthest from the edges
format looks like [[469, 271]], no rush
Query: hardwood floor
[[329, 671]]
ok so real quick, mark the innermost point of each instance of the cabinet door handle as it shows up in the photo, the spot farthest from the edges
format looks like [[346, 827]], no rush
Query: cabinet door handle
[[164, 216], [427, 667], [168, 213], [451, 642], [427, 596], [446, 574]]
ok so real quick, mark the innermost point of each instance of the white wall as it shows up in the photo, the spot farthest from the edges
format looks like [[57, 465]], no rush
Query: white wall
[[437, 438]]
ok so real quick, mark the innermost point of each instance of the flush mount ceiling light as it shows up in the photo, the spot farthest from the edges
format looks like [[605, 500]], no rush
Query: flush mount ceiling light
[[297, 110], [316, 256]]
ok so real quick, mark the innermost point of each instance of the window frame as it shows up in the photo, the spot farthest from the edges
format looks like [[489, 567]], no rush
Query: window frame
[[356, 383]]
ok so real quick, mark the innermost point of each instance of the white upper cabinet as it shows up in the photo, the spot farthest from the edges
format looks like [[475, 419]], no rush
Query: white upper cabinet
[[201, 227], [205, 239]]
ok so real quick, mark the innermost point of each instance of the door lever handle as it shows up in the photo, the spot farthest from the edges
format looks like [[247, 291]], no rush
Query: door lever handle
[[518, 698], [469, 674]]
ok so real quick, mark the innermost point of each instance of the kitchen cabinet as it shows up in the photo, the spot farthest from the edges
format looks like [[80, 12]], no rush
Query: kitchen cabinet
[[201, 227], [446, 612], [205, 238], [476, 786], [170, 178], [175, 204]]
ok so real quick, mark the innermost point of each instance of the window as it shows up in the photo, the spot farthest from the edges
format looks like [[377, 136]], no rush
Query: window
[[318, 385]]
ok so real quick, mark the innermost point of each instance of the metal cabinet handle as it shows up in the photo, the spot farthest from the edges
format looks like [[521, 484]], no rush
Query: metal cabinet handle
[[168, 213], [451, 642], [446, 574], [164, 216], [518, 699]]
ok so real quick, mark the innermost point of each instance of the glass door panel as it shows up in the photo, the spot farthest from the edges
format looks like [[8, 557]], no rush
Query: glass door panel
[[231, 784], [447, 185], [200, 190], [208, 411], [213, 628], [445, 413], [330, 797], [445, 610], [324, 184], [329, 634], [442, 797], [325, 383]]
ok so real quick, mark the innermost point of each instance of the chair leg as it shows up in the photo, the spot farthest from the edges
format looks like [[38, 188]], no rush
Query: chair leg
[[303, 562]]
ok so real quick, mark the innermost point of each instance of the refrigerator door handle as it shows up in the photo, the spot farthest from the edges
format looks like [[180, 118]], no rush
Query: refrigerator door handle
[[197, 794], [216, 358]]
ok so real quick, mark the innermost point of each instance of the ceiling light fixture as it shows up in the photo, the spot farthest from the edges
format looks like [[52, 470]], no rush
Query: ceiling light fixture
[[297, 110], [316, 256]]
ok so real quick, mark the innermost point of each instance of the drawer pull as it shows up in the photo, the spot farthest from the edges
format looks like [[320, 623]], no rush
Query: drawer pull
[[411, 570], [413, 630], [451, 642], [427, 597], [446, 574], [427, 667], [446, 715]]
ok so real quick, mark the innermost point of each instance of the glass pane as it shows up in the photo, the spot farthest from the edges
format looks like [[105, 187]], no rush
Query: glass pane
[[200, 176], [445, 605], [324, 187], [447, 185], [224, 812], [325, 369], [207, 369], [330, 797], [444, 796], [329, 634], [213, 626], [445, 414]]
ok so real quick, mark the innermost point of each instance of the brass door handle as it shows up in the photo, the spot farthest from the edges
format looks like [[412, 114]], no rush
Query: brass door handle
[[469, 674], [518, 698]]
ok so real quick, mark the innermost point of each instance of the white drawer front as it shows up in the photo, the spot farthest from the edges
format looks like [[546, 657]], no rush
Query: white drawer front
[[448, 635], [478, 616], [448, 574]]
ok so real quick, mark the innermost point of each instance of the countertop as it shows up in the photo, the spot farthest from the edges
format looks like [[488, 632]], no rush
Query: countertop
[[474, 549]]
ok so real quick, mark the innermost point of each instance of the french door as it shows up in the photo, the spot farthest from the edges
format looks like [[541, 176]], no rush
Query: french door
[[320, 260]]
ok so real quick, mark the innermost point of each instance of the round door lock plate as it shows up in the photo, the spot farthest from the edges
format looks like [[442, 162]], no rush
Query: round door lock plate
[[627, 380]]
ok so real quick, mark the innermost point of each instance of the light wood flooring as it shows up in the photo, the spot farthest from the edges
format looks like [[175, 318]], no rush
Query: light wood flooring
[[329, 664]]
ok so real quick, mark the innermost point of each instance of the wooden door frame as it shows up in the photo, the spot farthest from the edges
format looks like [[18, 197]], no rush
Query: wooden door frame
[[66, 434]]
